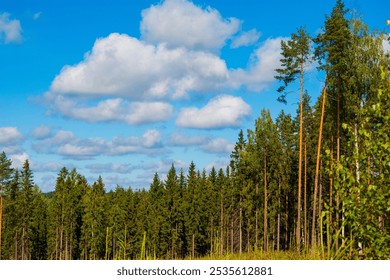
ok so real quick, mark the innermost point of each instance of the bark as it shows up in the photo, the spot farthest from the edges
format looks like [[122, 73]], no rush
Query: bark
[[305, 238], [222, 227], [313, 226], [240, 225], [298, 230], [265, 202], [1, 219]]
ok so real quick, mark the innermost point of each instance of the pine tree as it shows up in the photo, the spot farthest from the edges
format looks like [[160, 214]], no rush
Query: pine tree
[[5, 176], [295, 55]]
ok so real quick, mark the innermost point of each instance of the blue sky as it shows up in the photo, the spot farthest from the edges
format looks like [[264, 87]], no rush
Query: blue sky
[[123, 89]]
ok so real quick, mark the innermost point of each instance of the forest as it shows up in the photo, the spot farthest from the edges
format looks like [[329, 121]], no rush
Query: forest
[[317, 183]]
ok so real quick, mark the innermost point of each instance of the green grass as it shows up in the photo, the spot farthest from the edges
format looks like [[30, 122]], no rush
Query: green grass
[[270, 255]]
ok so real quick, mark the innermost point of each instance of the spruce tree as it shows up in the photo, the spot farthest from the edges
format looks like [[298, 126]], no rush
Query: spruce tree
[[5, 176]]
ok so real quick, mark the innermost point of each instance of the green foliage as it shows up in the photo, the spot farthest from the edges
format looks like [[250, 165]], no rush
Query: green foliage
[[363, 179], [250, 210]]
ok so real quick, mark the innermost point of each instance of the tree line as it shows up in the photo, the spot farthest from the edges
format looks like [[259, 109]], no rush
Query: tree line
[[317, 182]]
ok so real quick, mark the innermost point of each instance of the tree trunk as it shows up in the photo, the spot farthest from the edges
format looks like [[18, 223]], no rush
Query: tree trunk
[[1, 219], [240, 233], [331, 185], [305, 238], [320, 197], [313, 225], [265, 202], [278, 229], [222, 227], [193, 246], [286, 224], [298, 231], [257, 217]]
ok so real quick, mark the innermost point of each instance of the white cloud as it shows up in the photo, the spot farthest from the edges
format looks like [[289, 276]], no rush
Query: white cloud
[[65, 143], [246, 39], [151, 138], [99, 168], [120, 65], [205, 144], [37, 15], [114, 110], [10, 30], [218, 146], [10, 136], [218, 165], [41, 132], [386, 44], [124, 79], [221, 111], [18, 159], [261, 70], [180, 23], [179, 139], [46, 166]]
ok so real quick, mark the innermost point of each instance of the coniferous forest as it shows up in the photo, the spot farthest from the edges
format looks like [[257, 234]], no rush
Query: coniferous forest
[[316, 183]]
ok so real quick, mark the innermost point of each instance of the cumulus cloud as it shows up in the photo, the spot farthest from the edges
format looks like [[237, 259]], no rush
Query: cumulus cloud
[[180, 23], [18, 159], [261, 70], [10, 30], [10, 136], [41, 132], [218, 146], [131, 80], [246, 39], [113, 110], [179, 139], [203, 143], [218, 165], [221, 111], [10, 140], [99, 168], [66, 144], [46, 166], [120, 65]]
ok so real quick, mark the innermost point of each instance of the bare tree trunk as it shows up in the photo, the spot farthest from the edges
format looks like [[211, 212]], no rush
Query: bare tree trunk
[[16, 246], [298, 231], [71, 241], [232, 235], [278, 225], [193, 246], [23, 247], [286, 224], [1, 219], [331, 185], [240, 241], [265, 202], [222, 227], [125, 244], [61, 240], [320, 197], [313, 226], [360, 245], [338, 151], [257, 217], [305, 238]]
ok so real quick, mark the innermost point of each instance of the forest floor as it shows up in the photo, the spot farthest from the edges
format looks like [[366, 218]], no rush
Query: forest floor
[[270, 255]]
